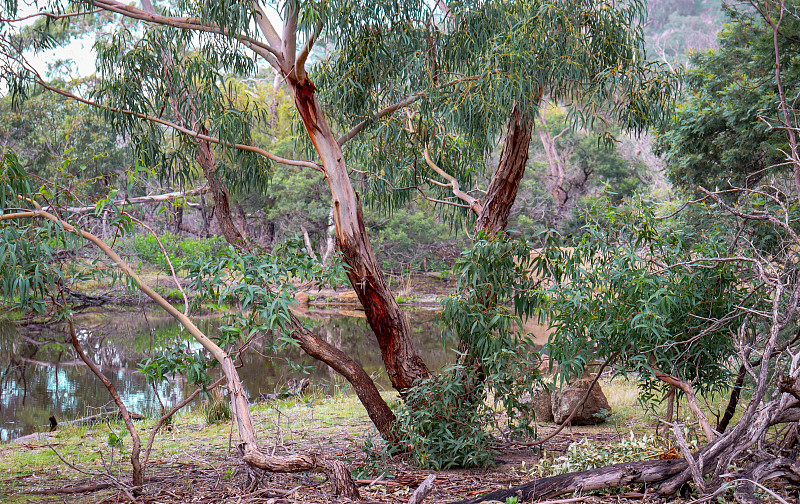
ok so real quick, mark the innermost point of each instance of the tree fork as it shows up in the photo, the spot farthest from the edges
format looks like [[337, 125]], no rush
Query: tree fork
[[240, 406], [403, 364], [379, 412]]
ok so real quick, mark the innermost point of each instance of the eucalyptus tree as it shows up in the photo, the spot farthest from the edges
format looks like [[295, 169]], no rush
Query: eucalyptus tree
[[709, 288], [404, 82], [402, 76]]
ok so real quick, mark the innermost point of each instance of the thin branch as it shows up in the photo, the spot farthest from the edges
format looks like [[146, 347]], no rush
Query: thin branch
[[474, 204], [300, 65], [123, 411], [795, 159], [155, 198], [358, 128], [577, 405], [186, 23], [759, 216], [171, 412], [169, 262], [691, 398], [50, 15], [181, 129]]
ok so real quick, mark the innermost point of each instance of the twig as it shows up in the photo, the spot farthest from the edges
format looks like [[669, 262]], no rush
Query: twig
[[422, 490]]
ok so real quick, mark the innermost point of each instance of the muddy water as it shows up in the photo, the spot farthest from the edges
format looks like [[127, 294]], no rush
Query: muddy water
[[40, 374]]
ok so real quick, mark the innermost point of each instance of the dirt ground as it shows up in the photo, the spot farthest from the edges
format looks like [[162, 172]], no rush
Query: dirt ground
[[194, 461]]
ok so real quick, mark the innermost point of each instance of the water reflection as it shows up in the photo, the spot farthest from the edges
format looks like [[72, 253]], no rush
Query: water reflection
[[40, 374]]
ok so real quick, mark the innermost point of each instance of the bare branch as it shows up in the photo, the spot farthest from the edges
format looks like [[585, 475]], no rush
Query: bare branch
[[691, 398], [300, 65], [50, 15], [289, 47], [155, 198], [260, 48], [181, 129], [268, 30], [474, 204], [358, 128], [760, 216]]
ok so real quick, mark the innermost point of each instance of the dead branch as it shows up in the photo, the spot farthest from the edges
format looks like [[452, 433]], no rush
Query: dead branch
[[626, 474], [138, 477]]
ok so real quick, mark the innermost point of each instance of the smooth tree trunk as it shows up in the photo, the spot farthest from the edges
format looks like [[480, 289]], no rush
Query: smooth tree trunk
[[555, 165], [403, 365]]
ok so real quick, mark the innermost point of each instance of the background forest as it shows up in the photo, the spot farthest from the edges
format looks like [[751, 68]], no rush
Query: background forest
[[59, 138]]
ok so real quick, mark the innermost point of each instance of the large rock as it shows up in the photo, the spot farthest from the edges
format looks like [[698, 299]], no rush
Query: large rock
[[564, 401]]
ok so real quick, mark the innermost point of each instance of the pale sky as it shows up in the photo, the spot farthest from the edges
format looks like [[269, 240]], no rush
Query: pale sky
[[81, 52]]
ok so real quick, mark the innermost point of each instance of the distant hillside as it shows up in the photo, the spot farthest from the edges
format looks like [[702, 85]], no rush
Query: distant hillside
[[676, 26]]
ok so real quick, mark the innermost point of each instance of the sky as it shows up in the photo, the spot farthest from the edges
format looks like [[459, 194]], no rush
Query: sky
[[80, 51]]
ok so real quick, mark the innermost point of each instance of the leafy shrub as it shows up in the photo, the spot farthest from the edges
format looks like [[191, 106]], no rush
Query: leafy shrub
[[181, 251], [442, 422]]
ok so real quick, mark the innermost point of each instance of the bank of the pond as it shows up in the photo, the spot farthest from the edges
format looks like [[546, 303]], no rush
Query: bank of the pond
[[40, 375]]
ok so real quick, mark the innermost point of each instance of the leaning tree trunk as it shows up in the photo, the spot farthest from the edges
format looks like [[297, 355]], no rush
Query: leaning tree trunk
[[222, 207], [379, 412], [365, 388], [503, 188], [403, 365]]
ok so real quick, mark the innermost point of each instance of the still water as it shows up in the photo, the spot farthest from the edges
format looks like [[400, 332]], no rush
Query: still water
[[41, 375]]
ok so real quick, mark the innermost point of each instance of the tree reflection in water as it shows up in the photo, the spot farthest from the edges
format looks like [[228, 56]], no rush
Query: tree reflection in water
[[41, 376]]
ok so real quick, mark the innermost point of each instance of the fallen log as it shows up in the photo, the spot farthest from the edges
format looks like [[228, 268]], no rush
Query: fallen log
[[628, 473], [336, 470]]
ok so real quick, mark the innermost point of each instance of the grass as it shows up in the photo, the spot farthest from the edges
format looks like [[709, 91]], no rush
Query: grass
[[335, 424], [312, 421]]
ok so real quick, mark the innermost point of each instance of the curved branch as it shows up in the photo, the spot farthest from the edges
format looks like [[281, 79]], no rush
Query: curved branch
[[686, 388], [358, 128], [138, 476], [186, 23], [50, 15], [181, 129], [474, 204]]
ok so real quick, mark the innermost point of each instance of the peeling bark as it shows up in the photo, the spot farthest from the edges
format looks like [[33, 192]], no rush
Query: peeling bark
[[631, 473], [379, 412], [403, 364], [222, 209], [335, 469]]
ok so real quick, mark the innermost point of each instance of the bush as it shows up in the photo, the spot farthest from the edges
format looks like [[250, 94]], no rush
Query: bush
[[441, 423], [216, 409], [585, 455], [181, 251]]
